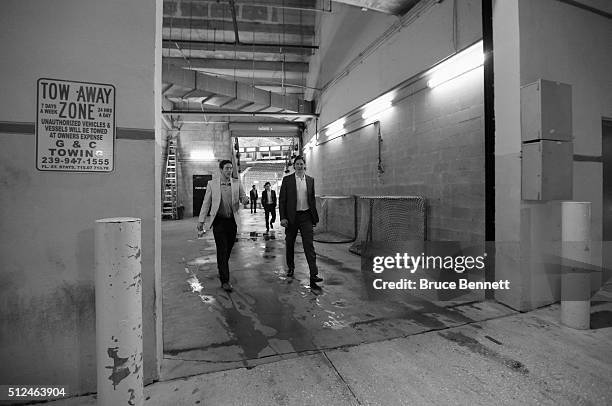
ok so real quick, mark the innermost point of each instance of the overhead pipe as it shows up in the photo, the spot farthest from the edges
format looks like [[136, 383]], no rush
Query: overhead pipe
[[289, 7], [233, 7], [171, 42], [240, 113]]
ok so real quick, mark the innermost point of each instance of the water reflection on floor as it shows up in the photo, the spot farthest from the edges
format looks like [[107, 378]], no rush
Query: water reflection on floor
[[269, 314]]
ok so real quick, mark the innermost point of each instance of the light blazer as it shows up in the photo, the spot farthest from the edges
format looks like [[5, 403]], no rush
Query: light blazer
[[264, 198], [288, 199], [212, 201]]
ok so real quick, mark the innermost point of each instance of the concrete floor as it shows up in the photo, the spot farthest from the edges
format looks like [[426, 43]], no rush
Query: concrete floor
[[274, 341]]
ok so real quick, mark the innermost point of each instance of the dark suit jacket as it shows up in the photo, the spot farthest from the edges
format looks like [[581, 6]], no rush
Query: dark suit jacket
[[288, 199], [253, 195], [264, 198]]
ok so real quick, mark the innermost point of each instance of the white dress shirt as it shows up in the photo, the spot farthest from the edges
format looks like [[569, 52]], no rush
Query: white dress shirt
[[302, 195]]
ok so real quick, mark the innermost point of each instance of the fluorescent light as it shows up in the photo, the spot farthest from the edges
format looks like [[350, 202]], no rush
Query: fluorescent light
[[202, 155], [465, 61], [311, 143], [378, 105], [336, 126]]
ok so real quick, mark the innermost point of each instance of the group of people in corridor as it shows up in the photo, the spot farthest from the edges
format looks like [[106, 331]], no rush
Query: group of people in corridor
[[297, 209], [268, 202]]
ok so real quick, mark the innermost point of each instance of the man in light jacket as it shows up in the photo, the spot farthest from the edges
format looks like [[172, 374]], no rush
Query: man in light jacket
[[222, 198]]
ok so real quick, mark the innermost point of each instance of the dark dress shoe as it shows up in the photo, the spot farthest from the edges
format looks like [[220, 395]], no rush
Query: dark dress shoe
[[316, 279], [290, 273], [313, 285], [227, 287]]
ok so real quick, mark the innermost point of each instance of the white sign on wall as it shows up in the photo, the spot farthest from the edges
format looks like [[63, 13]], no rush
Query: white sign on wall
[[75, 126]]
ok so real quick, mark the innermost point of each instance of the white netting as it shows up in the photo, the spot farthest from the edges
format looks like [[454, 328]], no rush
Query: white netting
[[337, 219], [390, 218]]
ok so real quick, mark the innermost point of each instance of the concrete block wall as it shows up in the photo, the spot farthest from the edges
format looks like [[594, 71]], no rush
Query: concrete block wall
[[214, 138], [433, 146], [433, 139]]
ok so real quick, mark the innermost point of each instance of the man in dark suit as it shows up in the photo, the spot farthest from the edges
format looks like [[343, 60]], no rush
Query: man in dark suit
[[253, 197], [298, 211], [268, 201]]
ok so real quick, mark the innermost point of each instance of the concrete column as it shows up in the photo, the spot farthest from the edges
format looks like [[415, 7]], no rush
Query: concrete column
[[576, 254], [118, 311]]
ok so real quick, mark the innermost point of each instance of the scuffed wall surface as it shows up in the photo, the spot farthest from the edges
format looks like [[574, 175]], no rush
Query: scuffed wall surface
[[47, 249], [47, 308]]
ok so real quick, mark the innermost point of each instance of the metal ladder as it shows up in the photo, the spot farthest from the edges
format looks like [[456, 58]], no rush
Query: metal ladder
[[169, 203]]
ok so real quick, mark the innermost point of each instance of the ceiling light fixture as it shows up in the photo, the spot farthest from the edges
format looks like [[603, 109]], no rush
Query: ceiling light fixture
[[463, 62], [378, 105], [336, 126], [202, 155]]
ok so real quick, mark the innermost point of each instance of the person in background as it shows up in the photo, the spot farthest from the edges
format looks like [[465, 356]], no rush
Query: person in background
[[298, 211], [268, 201], [223, 197], [254, 196]]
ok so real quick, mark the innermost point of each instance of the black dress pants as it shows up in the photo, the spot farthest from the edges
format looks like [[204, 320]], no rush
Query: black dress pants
[[224, 230], [269, 209], [303, 223]]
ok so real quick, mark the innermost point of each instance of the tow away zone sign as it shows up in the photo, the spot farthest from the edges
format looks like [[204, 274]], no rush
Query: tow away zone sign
[[75, 126]]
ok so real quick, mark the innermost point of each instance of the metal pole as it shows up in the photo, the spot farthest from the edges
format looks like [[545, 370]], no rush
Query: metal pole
[[119, 311], [576, 254]]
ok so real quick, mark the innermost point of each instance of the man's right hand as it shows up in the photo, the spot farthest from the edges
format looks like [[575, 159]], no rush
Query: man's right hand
[[284, 223]]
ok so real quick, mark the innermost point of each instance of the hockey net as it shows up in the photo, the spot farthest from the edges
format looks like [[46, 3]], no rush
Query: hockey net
[[390, 218], [337, 219]]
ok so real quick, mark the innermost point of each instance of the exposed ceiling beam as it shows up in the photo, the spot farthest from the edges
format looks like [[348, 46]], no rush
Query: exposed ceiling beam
[[259, 81], [237, 64], [240, 113], [302, 49], [276, 86], [190, 82], [247, 27], [227, 36], [234, 74], [243, 56], [395, 7], [281, 90], [298, 5]]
